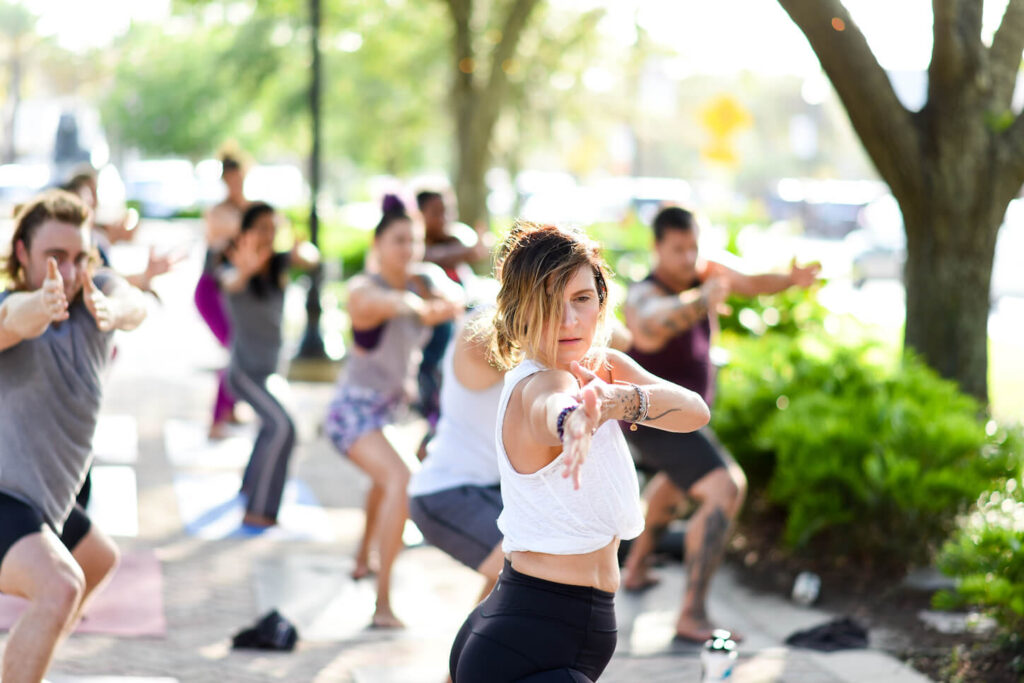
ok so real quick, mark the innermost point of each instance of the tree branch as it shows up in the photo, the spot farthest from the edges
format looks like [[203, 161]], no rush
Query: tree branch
[[1005, 53], [885, 127], [957, 50], [462, 40], [515, 21]]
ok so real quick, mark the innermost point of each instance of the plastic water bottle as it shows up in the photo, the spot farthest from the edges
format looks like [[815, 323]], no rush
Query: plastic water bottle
[[718, 657]]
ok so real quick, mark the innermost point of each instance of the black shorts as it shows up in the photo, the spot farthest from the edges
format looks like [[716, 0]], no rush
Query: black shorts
[[685, 457], [21, 519], [462, 521]]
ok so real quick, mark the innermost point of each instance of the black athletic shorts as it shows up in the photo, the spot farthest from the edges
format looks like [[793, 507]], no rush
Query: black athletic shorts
[[21, 519], [684, 457]]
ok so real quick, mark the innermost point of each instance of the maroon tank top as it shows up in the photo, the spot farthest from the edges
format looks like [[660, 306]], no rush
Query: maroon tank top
[[686, 358]]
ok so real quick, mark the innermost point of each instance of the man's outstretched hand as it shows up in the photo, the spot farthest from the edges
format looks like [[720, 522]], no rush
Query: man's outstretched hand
[[97, 303], [55, 300], [804, 276]]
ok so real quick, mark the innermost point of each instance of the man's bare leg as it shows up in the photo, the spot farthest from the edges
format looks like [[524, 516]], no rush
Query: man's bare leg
[[98, 557], [720, 495], [663, 501], [38, 567]]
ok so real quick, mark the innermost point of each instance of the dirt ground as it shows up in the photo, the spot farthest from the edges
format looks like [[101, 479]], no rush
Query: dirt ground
[[880, 602]]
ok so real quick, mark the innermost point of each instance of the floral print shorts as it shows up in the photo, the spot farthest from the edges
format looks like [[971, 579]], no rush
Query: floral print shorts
[[355, 411]]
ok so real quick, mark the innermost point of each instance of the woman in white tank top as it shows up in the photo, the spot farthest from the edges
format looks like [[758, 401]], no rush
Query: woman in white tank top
[[568, 484]]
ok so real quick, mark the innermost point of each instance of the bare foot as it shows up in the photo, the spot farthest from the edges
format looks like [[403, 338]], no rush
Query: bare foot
[[384, 618], [361, 571], [257, 520], [639, 581], [218, 431], [691, 629]]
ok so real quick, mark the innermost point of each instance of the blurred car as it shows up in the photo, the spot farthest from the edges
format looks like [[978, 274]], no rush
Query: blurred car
[[162, 187], [878, 248], [19, 182]]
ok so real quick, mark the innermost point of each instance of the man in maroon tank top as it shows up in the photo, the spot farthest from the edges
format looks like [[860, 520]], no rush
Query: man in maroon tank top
[[670, 315]]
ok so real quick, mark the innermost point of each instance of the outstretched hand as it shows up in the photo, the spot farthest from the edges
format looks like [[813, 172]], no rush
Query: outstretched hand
[[577, 433], [804, 276], [248, 255], [55, 299], [97, 303]]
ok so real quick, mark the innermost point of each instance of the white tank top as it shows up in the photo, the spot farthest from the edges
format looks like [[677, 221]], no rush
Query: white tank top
[[462, 451], [544, 513]]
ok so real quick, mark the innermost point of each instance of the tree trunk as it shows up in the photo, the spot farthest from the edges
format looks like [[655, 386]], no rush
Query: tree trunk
[[10, 151], [472, 161], [949, 267]]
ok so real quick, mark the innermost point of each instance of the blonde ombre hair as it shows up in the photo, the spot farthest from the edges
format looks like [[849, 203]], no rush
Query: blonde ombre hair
[[534, 266]]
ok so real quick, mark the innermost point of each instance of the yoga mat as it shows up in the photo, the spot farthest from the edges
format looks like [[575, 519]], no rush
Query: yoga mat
[[62, 678], [188, 445], [130, 606], [211, 508], [113, 503], [116, 440]]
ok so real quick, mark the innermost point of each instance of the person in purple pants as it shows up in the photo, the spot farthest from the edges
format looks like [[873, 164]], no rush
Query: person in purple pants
[[222, 225]]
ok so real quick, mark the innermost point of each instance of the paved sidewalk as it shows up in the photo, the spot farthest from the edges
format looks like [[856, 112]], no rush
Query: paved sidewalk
[[213, 588]]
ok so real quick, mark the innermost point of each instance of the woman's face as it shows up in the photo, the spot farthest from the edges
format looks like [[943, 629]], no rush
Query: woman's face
[[400, 245], [581, 311], [265, 229]]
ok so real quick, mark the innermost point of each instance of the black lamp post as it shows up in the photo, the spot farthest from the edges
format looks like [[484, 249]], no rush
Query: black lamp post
[[312, 346]]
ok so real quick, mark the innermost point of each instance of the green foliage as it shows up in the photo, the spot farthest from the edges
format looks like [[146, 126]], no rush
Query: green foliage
[[339, 243], [986, 554], [866, 457]]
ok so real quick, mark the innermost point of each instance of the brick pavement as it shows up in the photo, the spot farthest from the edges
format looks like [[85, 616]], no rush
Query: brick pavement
[[163, 371]]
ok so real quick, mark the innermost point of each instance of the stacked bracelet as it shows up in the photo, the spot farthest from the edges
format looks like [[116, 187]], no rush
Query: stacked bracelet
[[644, 404], [560, 422]]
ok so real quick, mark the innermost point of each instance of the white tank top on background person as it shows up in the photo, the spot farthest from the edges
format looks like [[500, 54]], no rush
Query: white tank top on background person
[[461, 453], [544, 513]]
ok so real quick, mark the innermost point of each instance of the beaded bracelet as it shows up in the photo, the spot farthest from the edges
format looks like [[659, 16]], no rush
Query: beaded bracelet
[[644, 400], [560, 423]]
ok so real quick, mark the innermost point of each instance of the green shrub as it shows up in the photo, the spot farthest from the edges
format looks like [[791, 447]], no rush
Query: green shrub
[[339, 243], [865, 457], [986, 554]]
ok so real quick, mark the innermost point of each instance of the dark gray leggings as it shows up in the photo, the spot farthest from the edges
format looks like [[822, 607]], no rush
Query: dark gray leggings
[[265, 474]]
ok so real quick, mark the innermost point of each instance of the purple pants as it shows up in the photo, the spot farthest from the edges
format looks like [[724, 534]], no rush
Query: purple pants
[[211, 306]]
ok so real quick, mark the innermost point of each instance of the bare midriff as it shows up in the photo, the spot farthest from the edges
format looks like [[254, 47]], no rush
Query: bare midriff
[[598, 569]]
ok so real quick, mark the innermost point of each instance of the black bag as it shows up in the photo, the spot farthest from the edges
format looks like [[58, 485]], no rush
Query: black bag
[[272, 632], [839, 634]]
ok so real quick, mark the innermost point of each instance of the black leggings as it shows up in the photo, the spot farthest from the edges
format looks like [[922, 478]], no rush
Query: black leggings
[[529, 629]]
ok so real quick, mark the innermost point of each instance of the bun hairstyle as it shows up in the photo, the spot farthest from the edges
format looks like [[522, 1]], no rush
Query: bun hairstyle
[[394, 211], [534, 265], [231, 159]]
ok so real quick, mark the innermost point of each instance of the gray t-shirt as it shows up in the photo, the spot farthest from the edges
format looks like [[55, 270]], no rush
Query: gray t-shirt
[[256, 313], [50, 391]]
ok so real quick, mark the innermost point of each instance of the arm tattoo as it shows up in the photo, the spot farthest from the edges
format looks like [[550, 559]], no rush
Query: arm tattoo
[[663, 414]]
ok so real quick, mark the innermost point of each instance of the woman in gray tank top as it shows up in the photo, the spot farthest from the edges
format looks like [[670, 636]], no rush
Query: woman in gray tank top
[[392, 312], [254, 284]]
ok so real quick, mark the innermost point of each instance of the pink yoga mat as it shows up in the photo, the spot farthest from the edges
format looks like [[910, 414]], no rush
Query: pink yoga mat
[[131, 605]]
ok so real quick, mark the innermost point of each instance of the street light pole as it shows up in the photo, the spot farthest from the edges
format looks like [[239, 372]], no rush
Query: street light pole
[[312, 346]]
